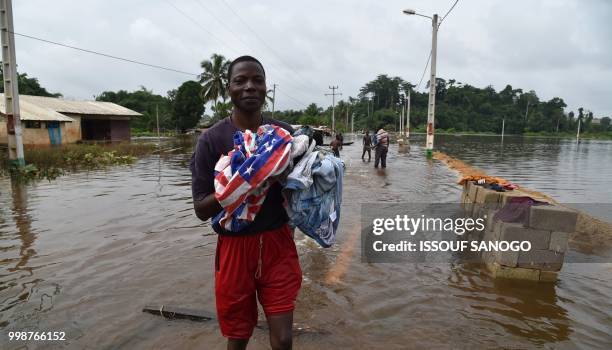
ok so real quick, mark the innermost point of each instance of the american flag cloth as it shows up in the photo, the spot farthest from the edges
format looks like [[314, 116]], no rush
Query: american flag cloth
[[241, 177]]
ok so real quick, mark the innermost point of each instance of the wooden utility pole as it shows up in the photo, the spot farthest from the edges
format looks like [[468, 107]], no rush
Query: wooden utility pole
[[11, 89], [333, 95]]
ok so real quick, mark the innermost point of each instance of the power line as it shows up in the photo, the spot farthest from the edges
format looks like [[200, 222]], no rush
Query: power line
[[271, 67], [291, 97], [260, 39], [105, 54], [424, 70], [429, 57], [192, 20], [449, 11]]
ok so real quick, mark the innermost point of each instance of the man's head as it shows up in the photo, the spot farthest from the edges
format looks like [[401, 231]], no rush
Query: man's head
[[247, 83], [338, 136], [367, 132]]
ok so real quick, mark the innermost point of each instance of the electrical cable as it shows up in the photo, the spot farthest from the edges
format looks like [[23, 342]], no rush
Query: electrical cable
[[103, 54]]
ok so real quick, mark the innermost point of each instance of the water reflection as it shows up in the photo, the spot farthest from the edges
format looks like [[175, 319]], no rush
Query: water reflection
[[524, 309], [87, 251]]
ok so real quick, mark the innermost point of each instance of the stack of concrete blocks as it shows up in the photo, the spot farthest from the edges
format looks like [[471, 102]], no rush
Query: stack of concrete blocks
[[548, 230]]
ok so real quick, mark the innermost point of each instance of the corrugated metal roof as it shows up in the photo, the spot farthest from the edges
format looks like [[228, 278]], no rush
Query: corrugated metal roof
[[79, 107], [29, 111], [53, 104]]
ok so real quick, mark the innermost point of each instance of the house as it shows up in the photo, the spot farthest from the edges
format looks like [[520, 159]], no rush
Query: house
[[53, 121]]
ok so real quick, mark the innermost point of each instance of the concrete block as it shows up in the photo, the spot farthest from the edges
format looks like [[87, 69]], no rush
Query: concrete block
[[493, 234], [542, 259], [548, 276], [515, 273], [506, 196], [473, 190], [553, 218], [488, 197], [539, 239], [489, 257], [559, 241], [508, 258]]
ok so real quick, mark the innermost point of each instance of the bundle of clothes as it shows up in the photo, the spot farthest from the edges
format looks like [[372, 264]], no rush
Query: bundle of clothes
[[491, 182], [311, 179]]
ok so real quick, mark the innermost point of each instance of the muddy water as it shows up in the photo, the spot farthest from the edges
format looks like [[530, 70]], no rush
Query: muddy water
[[84, 253]]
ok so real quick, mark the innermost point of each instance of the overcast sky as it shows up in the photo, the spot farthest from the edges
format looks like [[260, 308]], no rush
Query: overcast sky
[[555, 47]]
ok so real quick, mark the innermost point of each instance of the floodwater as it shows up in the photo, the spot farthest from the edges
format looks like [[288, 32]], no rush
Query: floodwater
[[84, 253]]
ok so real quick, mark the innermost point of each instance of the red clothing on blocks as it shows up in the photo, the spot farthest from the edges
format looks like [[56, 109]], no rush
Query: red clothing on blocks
[[264, 266]]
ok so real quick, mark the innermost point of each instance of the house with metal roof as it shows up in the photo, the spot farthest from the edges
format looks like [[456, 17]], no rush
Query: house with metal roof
[[53, 121]]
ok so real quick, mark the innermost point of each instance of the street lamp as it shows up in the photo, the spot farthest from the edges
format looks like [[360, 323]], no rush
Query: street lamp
[[432, 81]]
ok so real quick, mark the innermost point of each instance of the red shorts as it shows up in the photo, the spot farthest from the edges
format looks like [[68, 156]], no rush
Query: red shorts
[[240, 279]]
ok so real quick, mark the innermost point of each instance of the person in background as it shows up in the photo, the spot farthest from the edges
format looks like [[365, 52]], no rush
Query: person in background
[[341, 140], [367, 146], [335, 145], [382, 146]]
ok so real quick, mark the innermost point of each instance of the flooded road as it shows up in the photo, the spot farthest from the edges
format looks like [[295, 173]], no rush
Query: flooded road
[[84, 253]]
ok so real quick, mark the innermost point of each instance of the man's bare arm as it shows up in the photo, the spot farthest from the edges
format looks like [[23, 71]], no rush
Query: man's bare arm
[[207, 207]]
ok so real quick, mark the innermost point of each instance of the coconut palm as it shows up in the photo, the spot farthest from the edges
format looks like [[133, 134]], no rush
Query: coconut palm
[[214, 78], [269, 99]]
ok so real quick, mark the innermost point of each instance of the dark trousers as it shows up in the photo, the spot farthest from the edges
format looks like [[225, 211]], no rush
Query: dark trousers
[[366, 149], [380, 155]]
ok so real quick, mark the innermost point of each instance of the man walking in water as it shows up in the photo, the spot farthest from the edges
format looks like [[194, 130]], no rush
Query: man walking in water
[[380, 154], [336, 145], [260, 263], [367, 146]]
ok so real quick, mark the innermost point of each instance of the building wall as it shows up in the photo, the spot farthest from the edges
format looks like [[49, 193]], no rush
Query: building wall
[[36, 137], [71, 132], [120, 130], [3, 134]]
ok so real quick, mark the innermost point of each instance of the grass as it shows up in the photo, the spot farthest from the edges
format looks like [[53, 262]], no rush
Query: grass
[[147, 133], [51, 162]]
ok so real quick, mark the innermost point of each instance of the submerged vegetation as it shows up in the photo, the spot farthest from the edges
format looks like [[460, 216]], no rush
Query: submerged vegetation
[[51, 162]]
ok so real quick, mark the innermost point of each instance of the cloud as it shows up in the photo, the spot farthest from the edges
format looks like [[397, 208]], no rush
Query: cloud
[[555, 47]]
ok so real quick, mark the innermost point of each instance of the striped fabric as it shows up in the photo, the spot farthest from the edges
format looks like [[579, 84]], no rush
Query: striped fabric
[[241, 176]]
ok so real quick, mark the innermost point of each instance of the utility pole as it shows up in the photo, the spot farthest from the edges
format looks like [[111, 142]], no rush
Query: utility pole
[[578, 133], [273, 98], [401, 120], [432, 88], [11, 89], [407, 131], [333, 95], [353, 124], [503, 126], [157, 117]]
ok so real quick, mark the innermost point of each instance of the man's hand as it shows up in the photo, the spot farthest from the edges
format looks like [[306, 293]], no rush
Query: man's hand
[[206, 207]]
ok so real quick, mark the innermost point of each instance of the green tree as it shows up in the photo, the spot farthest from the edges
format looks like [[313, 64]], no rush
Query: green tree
[[187, 105], [28, 86], [605, 123], [214, 79], [145, 102]]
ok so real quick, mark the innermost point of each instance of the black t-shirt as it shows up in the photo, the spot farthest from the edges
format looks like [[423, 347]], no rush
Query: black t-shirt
[[218, 141]]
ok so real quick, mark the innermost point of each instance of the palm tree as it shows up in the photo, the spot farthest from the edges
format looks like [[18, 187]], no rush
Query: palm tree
[[269, 99], [214, 78]]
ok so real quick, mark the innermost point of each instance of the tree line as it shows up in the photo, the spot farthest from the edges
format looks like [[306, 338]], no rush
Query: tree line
[[459, 107]]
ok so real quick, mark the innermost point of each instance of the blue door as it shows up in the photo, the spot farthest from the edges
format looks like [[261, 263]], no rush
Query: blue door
[[55, 133]]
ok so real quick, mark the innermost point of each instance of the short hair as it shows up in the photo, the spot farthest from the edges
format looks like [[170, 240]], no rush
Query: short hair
[[244, 58]]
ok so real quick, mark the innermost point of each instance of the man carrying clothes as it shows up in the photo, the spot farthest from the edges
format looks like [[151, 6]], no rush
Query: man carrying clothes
[[367, 146], [380, 154], [260, 262]]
